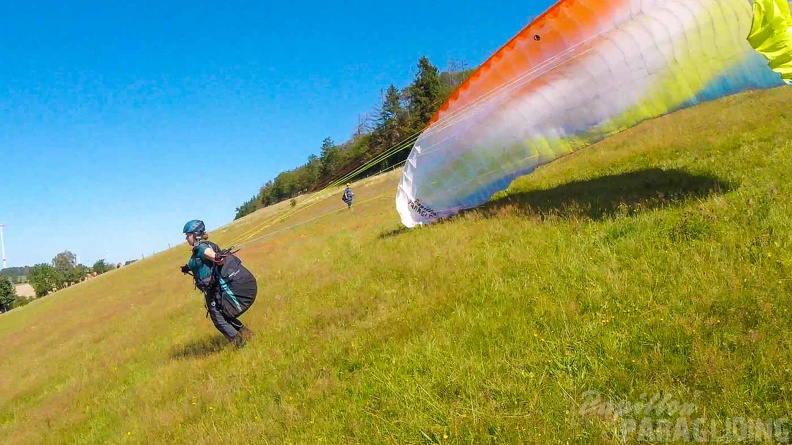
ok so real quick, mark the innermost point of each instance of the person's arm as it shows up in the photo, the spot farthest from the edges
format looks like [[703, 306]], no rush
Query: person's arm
[[210, 253]]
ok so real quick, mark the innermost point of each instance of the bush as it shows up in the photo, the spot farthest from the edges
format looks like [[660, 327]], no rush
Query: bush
[[8, 296]]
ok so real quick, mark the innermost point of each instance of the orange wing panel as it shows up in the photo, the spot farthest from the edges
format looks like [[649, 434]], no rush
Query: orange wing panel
[[560, 28]]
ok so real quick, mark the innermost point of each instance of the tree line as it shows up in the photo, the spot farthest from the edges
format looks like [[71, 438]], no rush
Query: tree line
[[382, 140], [62, 272], [16, 274]]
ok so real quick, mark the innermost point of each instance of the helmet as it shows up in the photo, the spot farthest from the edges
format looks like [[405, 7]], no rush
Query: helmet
[[195, 226], [348, 184]]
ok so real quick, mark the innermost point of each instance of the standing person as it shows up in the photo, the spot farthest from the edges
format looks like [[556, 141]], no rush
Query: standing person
[[203, 264], [348, 195]]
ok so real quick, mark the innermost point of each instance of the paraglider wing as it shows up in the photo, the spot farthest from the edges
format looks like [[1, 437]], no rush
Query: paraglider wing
[[584, 70]]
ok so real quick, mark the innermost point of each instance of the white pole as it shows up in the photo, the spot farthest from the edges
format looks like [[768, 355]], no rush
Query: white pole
[[2, 243]]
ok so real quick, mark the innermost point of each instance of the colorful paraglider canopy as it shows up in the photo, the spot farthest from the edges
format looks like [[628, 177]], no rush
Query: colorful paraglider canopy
[[584, 70]]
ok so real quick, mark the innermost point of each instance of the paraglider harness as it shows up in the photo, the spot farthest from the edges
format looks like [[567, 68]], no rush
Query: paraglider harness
[[234, 287]]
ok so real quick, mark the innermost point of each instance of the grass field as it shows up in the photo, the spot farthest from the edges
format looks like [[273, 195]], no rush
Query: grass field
[[654, 264], [25, 290]]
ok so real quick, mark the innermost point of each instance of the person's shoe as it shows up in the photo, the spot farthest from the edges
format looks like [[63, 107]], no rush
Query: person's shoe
[[237, 340], [246, 333]]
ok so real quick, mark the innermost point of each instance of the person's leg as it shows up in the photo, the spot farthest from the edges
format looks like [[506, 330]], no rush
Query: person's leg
[[225, 326], [241, 328]]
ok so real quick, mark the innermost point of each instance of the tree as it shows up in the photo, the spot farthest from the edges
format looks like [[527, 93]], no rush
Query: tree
[[425, 94], [245, 209], [313, 169], [65, 261], [328, 159], [391, 107], [15, 273], [455, 74], [44, 278], [68, 269], [101, 267], [76, 274], [8, 296], [392, 122]]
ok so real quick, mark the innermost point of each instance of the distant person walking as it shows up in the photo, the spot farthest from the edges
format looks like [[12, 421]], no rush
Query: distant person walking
[[229, 289], [348, 195]]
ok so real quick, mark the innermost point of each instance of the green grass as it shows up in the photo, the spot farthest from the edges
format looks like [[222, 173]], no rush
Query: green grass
[[655, 262]]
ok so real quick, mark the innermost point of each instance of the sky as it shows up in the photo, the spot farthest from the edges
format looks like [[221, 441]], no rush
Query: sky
[[119, 122]]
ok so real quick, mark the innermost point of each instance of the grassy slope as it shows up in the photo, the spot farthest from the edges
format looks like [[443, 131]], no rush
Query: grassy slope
[[657, 261]]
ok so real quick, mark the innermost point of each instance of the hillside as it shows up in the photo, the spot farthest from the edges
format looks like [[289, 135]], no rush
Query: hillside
[[654, 263]]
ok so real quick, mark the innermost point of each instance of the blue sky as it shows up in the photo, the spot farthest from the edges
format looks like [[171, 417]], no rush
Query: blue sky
[[120, 122]]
